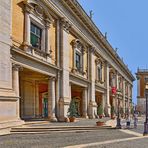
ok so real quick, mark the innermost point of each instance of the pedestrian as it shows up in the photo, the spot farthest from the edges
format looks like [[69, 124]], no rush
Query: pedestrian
[[128, 121], [135, 120]]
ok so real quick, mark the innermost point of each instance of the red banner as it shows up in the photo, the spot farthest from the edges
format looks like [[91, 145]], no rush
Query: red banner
[[114, 90]]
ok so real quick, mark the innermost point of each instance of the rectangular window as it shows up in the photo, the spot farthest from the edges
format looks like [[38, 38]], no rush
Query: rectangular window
[[78, 61], [35, 36], [99, 72]]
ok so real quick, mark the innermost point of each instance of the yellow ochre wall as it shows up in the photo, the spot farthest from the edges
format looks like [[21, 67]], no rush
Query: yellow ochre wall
[[17, 22], [71, 38]]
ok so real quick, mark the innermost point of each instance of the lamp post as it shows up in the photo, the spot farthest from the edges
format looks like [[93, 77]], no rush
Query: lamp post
[[118, 126], [146, 119]]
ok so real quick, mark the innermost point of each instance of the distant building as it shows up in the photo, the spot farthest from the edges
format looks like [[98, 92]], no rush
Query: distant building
[[141, 101], [50, 53]]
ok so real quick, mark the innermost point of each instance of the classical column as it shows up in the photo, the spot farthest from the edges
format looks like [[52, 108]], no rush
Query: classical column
[[51, 99], [92, 102], [58, 95], [15, 86], [58, 43], [103, 102], [117, 80], [84, 102], [70, 91], [82, 62], [117, 87], [36, 99], [64, 100], [124, 107], [47, 39], [27, 28], [129, 107], [107, 105]]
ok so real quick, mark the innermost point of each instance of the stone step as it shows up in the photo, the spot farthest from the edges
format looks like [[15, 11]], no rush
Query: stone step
[[56, 129]]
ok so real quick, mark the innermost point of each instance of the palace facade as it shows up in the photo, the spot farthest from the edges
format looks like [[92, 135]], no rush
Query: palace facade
[[50, 53], [141, 101]]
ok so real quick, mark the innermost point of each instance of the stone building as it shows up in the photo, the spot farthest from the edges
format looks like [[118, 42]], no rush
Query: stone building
[[141, 102], [50, 53]]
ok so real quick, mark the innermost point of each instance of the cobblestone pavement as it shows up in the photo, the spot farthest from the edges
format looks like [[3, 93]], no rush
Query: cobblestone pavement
[[105, 138], [53, 140], [140, 127], [137, 143]]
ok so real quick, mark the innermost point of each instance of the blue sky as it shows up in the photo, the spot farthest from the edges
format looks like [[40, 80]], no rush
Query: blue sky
[[126, 24]]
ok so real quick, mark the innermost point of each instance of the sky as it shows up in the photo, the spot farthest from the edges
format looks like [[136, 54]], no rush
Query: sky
[[126, 24]]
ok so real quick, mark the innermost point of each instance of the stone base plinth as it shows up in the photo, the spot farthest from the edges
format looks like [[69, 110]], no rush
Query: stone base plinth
[[11, 123]]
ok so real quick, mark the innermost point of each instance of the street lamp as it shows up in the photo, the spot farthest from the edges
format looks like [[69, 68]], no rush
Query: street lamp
[[146, 119], [118, 126]]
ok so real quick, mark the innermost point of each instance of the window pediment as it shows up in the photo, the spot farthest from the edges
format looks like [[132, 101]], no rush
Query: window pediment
[[98, 61], [35, 6], [76, 44]]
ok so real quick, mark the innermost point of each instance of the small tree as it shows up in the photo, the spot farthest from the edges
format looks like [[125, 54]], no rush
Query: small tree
[[112, 110], [132, 110], [72, 112], [100, 110]]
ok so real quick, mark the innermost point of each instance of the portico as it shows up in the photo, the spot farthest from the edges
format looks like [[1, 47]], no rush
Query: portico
[[80, 95], [37, 92]]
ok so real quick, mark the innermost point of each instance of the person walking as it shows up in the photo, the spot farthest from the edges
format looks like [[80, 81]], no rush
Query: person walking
[[128, 120], [135, 120]]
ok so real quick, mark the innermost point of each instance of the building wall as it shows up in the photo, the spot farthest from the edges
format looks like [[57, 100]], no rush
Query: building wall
[[5, 42], [71, 38], [44, 61], [141, 101], [142, 86], [18, 22], [8, 97]]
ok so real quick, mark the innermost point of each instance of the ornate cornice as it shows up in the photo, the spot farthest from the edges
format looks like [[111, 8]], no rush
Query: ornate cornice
[[91, 27]]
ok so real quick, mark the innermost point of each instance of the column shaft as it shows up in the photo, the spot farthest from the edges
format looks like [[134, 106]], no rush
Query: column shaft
[[36, 100], [27, 28], [85, 97], [51, 99], [107, 105], [15, 86], [92, 102], [124, 106]]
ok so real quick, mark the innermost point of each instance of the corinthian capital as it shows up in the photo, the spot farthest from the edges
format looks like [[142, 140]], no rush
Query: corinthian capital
[[66, 25], [17, 67], [92, 49]]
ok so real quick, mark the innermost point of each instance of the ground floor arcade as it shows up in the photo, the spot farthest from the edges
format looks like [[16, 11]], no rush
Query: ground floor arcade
[[39, 96]]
